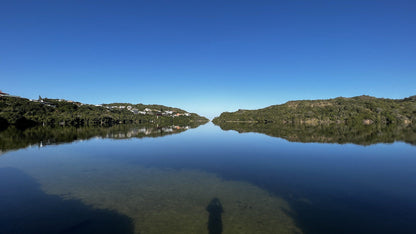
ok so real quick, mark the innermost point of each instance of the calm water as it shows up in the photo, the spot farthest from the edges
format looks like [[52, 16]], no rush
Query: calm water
[[203, 180]]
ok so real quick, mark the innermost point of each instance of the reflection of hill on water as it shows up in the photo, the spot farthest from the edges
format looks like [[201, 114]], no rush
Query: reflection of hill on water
[[13, 138], [331, 133]]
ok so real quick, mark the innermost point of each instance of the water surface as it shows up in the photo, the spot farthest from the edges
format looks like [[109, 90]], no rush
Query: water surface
[[167, 184]]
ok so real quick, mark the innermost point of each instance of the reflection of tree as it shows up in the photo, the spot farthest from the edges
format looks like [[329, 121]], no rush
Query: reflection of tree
[[13, 138], [331, 133]]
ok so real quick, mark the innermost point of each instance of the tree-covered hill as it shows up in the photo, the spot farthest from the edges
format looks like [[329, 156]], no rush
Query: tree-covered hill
[[355, 110], [24, 112]]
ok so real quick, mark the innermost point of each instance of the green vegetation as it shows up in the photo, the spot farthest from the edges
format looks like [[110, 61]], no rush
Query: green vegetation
[[23, 112], [360, 120], [355, 110]]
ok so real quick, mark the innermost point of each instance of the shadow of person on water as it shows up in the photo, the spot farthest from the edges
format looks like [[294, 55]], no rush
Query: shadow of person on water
[[215, 210]]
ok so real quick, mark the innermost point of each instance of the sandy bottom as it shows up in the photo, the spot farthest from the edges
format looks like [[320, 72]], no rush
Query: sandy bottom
[[165, 200]]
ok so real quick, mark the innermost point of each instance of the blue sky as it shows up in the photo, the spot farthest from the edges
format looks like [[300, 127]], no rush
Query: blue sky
[[207, 56]]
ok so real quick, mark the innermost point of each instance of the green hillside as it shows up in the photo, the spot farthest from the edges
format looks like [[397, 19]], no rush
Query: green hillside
[[24, 112], [356, 110]]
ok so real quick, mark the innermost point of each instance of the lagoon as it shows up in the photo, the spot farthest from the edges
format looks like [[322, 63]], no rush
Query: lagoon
[[167, 182]]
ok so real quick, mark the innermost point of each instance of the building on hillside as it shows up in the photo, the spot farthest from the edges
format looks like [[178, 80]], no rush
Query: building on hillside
[[4, 94]]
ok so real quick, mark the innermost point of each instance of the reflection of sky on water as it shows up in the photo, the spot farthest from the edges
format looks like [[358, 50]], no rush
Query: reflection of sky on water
[[354, 185], [155, 198]]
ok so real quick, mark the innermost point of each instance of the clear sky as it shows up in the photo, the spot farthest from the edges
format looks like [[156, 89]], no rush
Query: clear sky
[[207, 56]]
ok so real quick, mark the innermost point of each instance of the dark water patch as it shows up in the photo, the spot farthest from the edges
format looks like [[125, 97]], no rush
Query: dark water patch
[[77, 227], [343, 214], [24, 208]]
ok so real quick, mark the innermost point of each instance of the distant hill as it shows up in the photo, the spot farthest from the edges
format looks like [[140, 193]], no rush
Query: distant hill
[[23, 112], [356, 110]]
